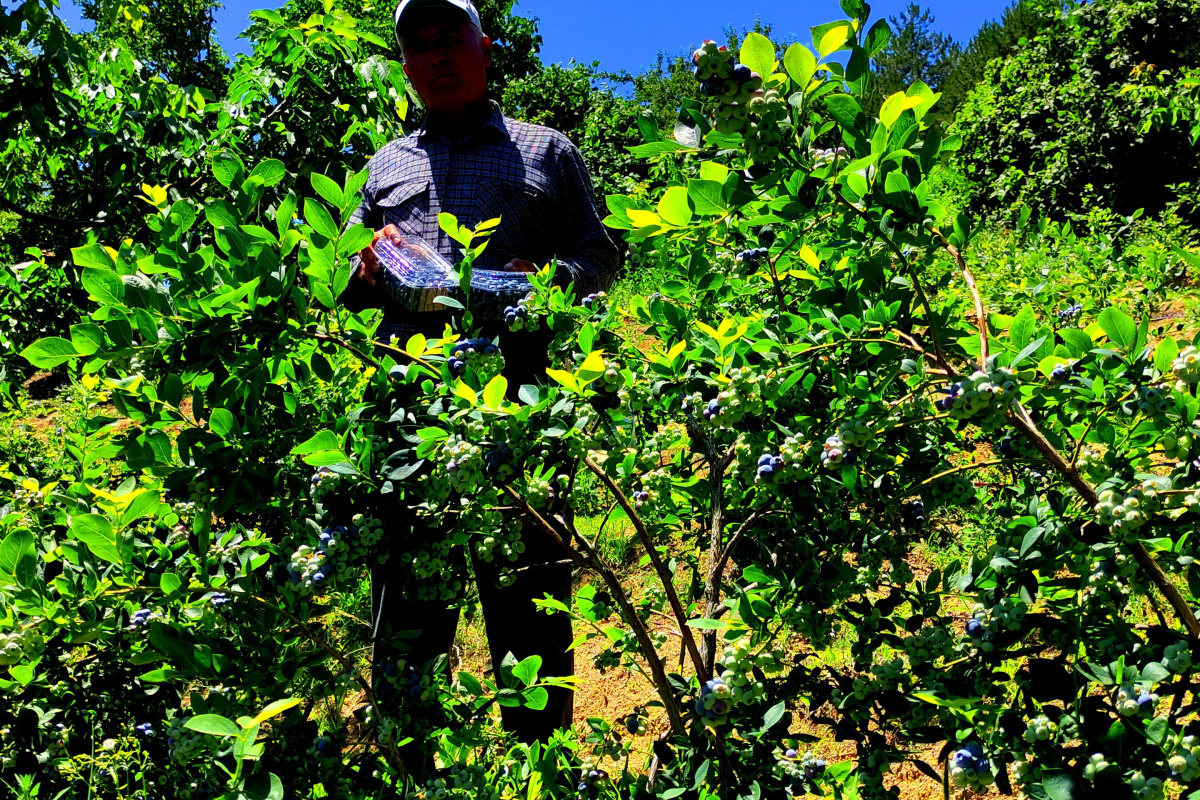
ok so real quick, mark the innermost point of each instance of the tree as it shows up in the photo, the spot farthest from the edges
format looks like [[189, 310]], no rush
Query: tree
[[993, 40], [915, 52], [1052, 128], [175, 38]]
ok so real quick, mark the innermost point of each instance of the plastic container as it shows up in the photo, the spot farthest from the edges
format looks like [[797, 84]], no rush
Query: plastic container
[[414, 275]]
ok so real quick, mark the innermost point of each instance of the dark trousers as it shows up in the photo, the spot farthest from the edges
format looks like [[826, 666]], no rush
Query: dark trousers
[[513, 623]]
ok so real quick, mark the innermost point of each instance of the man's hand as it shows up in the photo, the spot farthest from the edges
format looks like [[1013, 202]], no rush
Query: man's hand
[[520, 265], [369, 269]]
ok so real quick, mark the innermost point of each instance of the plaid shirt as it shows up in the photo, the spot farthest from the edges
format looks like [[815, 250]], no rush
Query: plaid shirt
[[529, 176]]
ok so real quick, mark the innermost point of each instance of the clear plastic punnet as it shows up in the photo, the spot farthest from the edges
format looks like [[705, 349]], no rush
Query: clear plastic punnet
[[415, 275]]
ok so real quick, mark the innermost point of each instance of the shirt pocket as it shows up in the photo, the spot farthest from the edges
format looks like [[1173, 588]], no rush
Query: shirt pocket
[[405, 205], [525, 212]]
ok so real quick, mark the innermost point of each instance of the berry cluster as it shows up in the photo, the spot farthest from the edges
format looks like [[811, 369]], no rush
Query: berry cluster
[[748, 259], [1150, 401], [1187, 366], [1040, 729], [834, 452], [184, 744], [969, 768], [824, 157], [325, 483], [1069, 314], [502, 461], [635, 723], [464, 464], [1185, 764], [19, 645], [1177, 657], [142, 617], [742, 397], [1064, 372], [1146, 788], [714, 703], [927, 645], [986, 623], [1097, 763], [736, 668], [767, 127], [857, 434], [144, 730], [1177, 447], [590, 779], [720, 77], [1133, 701], [1125, 513], [984, 397], [1016, 447], [596, 303], [913, 515], [800, 771], [477, 353], [315, 569], [517, 318], [954, 490]]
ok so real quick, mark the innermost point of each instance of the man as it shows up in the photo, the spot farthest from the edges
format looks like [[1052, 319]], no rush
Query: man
[[471, 161]]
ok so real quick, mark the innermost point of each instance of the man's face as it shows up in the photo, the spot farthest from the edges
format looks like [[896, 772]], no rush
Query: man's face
[[446, 59]]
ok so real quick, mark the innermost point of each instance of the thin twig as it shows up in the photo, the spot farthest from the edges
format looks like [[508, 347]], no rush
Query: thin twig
[[719, 567], [664, 575]]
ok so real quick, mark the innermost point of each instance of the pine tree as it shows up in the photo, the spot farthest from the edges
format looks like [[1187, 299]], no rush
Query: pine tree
[[993, 40], [916, 52]]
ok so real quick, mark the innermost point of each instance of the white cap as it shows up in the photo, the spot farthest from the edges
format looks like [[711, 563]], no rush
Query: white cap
[[464, 7]]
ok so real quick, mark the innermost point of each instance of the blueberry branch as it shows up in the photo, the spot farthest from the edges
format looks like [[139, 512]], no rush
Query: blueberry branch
[[589, 558], [664, 575]]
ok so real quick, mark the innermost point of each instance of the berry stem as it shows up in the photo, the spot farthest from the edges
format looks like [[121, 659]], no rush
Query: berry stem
[[664, 575], [589, 558]]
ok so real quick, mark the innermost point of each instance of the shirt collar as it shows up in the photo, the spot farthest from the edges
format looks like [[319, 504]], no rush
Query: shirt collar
[[491, 120]]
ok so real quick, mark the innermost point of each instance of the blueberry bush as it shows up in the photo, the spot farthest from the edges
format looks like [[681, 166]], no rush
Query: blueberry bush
[[817, 381]]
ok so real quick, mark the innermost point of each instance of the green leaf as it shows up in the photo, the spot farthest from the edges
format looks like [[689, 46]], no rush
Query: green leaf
[[276, 708], [1165, 355], [220, 214], [527, 671], [877, 38], [493, 393], [329, 190], [324, 440], [674, 208], [1119, 327], [97, 533], [535, 698], [355, 240], [800, 64], [50, 352], [844, 109], [222, 422], [93, 255], [1078, 342], [774, 714], [212, 724], [319, 218], [103, 286], [228, 168], [708, 624], [1061, 786], [17, 556], [87, 337], [269, 172], [758, 54], [1023, 326], [706, 197], [169, 583], [833, 40], [263, 786]]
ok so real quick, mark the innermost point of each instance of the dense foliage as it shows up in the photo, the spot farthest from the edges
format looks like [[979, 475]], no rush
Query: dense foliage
[[815, 383], [1051, 128]]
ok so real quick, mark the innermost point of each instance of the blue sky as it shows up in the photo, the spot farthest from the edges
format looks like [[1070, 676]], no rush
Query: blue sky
[[628, 34]]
